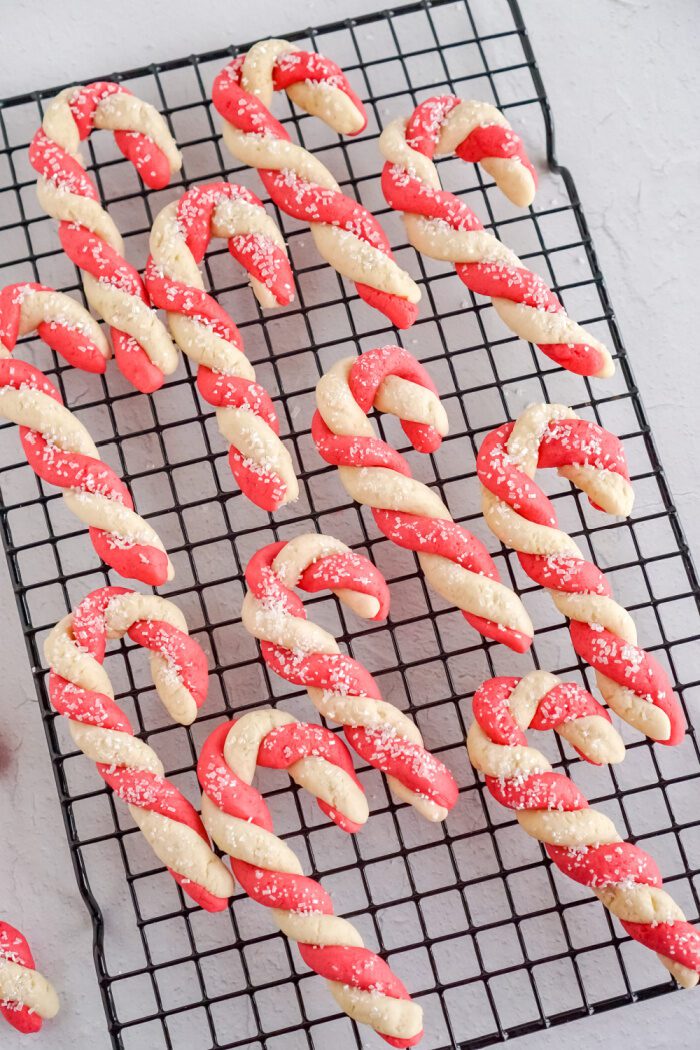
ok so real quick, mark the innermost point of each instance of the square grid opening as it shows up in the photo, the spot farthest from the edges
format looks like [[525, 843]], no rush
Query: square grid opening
[[486, 935]]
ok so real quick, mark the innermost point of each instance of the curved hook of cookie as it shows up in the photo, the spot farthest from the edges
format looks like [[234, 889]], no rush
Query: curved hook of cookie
[[347, 235], [142, 347], [80, 690], [62, 323], [603, 633], [27, 999], [582, 842], [204, 331], [240, 823], [408, 512]]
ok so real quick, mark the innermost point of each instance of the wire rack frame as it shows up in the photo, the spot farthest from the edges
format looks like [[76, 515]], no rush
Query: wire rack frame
[[489, 938]]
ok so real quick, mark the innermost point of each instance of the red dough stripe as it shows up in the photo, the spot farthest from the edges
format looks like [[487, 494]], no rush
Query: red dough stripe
[[600, 866], [86, 705], [278, 889], [538, 791], [569, 442], [678, 940], [341, 449], [332, 672], [54, 163], [570, 575], [522, 286], [372, 973], [298, 67]]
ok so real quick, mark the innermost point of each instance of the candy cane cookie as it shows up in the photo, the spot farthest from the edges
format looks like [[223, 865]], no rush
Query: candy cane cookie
[[208, 336], [239, 822], [142, 347], [80, 690], [57, 445], [603, 633], [442, 226], [27, 999], [582, 842], [409, 513], [340, 688], [348, 237]]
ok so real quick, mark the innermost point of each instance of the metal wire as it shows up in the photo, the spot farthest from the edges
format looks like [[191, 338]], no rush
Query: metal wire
[[486, 935]]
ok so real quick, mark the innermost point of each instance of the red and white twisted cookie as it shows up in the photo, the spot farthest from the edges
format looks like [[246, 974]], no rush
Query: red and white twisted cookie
[[55, 442], [239, 822], [603, 633], [582, 842], [205, 332], [142, 347], [80, 689], [346, 234], [409, 513], [341, 689], [27, 999], [442, 226]]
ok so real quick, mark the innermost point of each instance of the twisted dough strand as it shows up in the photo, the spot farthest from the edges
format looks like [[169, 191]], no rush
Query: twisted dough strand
[[240, 823], [57, 445], [442, 226], [205, 332], [27, 999], [582, 842], [142, 346], [348, 237], [603, 633], [80, 689], [406, 511], [340, 688]]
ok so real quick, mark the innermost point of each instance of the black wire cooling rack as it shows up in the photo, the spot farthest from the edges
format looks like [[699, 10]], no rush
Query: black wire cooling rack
[[486, 935]]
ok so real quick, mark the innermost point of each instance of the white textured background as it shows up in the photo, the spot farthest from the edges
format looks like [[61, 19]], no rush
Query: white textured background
[[624, 83]]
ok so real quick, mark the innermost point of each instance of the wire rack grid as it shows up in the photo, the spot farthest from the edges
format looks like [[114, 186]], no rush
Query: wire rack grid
[[487, 937]]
